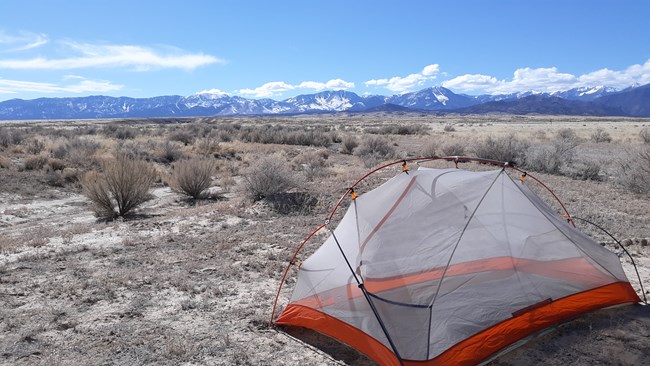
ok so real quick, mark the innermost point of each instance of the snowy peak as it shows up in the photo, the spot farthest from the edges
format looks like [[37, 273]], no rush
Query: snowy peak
[[434, 98], [585, 93]]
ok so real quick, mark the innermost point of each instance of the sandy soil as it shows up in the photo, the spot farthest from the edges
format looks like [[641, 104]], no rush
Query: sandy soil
[[193, 283]]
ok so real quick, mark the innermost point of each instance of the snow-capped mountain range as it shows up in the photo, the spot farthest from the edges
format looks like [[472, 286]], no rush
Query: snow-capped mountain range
[[437, 99]]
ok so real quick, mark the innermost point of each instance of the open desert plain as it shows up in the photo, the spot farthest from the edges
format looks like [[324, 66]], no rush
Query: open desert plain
[[182, 280]]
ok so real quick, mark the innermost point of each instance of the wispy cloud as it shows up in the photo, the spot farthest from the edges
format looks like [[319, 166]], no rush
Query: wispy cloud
[[81, 86], [138, 58], [276, 88], [403, 84], [22, 41], [550, 80]]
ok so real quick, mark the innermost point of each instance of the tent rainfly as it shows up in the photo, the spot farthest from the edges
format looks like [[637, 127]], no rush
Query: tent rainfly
[[449, 267]]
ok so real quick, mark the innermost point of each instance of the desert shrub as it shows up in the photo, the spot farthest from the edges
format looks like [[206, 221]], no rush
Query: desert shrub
[[449, 128], [553, 158], [374, 149], [291, 202], [505, 149], [207, 146], [565, 144], [544, 160], [313, 164], [600, 135], [122, 186], [430, 149], [269, 134], [54, 178], [169, 152], [634, 170], [268, 176], [540, 135], [34, 146], [35, 162], [307, 138], [71, 175], [76, 150], [182, 136], [192, 177], [335, 137], [11, 136], [453, 149], [120, 132], [566, 134], [348, 145], [138, 149], [415, 129], [645, 135], [5, 163], [584, 170], [226, 182], [56, 164]]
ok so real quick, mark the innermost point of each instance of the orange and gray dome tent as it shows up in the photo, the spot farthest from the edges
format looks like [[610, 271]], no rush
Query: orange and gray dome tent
[[449, 267]]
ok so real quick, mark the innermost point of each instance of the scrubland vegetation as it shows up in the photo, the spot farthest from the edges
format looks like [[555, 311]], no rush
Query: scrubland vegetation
[[162, 241]]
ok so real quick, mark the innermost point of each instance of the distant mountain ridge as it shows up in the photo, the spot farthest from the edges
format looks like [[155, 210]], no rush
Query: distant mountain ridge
[[596, 101]]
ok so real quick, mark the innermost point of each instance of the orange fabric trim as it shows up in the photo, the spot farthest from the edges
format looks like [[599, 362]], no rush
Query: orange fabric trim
[[482, 345], [302, 316], [477, 347], [586, 275]]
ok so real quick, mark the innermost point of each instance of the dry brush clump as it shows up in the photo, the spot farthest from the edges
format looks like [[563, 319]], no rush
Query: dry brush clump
[[600, 135], [374, 149], [506, 149], [552, 159], [644, 134], [634, 170], [78, 151], [453, 148], [313, 164], [401, 129], [348, 144], [11, 136], [123, 185], [268, 176], [192, 177]]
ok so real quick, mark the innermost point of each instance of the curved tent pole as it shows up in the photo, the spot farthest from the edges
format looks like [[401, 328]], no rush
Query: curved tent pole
[[645, 300], [286, 270], [454, 159]]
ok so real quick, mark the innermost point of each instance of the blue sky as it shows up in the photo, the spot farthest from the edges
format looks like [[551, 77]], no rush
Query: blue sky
[[277, 49]]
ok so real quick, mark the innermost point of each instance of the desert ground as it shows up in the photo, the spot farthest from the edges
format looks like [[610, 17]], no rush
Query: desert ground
[[191, 281]]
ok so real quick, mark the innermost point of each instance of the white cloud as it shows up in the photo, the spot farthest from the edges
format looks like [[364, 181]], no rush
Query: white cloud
[[550, 80], [213, 92], [82, 86], [639, 74], [431, 70], [22, 41], [471, 82], [102, 56], [334, 84], [267, 90], [404, 84], [276, 88]]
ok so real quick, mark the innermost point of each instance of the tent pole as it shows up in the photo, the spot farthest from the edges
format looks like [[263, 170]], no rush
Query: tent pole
[[645, 300], [365, 294]]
